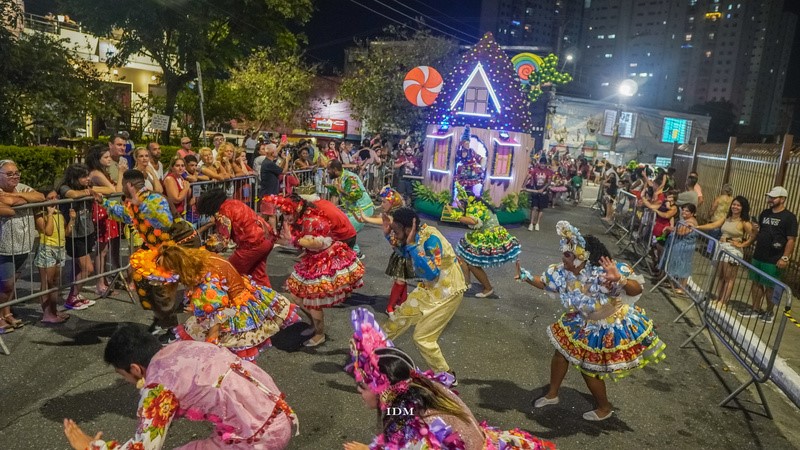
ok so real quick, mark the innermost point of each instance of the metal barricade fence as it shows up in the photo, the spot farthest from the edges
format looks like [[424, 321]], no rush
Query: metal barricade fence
[[642, 238], [624, 214], [723, 287], [24, 248], [242, 188]]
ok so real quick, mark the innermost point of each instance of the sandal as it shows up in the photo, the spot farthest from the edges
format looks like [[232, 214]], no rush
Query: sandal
[[5, 327], [13, 321], [313, 343]]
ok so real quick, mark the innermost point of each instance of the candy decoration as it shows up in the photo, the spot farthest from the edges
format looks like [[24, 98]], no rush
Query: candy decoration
[[422, 85], [525, 64]]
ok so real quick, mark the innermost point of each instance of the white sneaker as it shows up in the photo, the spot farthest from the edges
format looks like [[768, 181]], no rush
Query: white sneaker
[[544, 401], [536, 227], [530, 227]]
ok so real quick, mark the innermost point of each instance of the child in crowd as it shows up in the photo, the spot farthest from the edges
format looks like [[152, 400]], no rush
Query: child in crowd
[[51, 255]]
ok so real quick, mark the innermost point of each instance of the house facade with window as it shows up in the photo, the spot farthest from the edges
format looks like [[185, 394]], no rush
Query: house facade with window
[[482, 92]]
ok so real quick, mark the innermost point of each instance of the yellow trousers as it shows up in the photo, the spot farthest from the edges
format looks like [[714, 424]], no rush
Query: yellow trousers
[[429, 316]]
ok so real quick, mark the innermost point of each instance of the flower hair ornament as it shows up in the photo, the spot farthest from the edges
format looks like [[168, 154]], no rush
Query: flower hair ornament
[[144, 263], [285, 204], [572, 240], [393, 197]]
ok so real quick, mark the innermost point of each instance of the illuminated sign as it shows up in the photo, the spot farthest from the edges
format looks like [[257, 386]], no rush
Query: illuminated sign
[[676, 130], [713, 15], [326, 127]]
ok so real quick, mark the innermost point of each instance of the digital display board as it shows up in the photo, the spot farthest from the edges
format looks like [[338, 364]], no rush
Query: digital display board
[[676, 130]]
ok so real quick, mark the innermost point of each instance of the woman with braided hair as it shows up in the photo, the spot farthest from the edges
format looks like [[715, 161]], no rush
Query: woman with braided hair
[[417, 410], [603, 333]]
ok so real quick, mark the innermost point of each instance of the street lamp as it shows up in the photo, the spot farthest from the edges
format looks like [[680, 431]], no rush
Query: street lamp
[[626, 89]]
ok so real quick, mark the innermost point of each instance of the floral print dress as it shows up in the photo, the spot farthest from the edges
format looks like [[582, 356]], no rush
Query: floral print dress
[[602, 347]]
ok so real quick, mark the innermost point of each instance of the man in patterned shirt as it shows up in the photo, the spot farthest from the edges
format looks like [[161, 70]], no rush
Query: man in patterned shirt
[[150, 214], [352, 195]]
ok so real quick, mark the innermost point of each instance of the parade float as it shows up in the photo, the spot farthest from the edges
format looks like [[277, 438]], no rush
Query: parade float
[[478, 134]]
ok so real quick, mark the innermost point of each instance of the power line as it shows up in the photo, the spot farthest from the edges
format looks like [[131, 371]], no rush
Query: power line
[[442, 13], [425, 24], [404, 24], [435, 20]]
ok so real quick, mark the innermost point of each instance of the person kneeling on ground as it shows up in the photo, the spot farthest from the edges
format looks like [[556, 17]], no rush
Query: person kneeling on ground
[[247, 409]]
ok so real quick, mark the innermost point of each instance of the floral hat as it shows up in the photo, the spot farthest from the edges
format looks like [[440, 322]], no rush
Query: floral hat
[[394, 198], [145, 266], [285, 204], [572, 240], [368, 338]]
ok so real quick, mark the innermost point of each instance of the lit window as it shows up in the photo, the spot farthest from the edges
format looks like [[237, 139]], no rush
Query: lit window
[[650, 74], [688, 37], [680, 89], [601, 36], [634, 64], [476, 100], [441, 153], [643, 74], [605, 83], [680, 98], [708, 54], [609, 55], [612, 36], [711, 36], [503, 158]]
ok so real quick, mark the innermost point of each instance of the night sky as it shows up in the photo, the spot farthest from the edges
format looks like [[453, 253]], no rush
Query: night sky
[[337, 23]]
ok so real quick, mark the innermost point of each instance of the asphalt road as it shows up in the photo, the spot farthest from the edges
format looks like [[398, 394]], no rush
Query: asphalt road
[[498, 347]]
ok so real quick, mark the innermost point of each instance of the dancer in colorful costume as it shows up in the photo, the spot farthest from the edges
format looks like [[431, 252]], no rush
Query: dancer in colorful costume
[[234, 220], [150, 214], [328, 270], [353, 197], [469, 167], [227, 308], [603, 333], [488, 244], [433, 416], [400, 268], [433, 303], [197, 381]]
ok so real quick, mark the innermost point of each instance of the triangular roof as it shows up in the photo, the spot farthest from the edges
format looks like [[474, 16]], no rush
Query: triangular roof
[[508, 107]]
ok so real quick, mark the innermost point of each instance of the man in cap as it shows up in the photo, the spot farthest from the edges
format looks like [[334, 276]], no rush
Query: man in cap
[[776, 234]]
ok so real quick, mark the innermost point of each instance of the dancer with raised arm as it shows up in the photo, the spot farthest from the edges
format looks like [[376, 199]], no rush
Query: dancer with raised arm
[[603, 333]]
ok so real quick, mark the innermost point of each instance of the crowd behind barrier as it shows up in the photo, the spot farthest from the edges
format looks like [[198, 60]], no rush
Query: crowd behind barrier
[[720, 284], [29, 257]]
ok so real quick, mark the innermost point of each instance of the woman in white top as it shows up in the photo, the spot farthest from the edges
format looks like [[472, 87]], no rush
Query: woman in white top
[[737, 234], [142, 159]]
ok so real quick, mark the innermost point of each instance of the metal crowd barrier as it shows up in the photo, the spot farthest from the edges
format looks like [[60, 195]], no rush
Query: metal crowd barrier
[[27, 285], [625, 207], [721, 286], [244, 188], [642, 237]]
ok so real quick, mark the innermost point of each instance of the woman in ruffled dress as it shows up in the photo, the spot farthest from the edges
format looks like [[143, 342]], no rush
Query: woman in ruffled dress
[[228, 309], [431, 416], [603, 333], [328, 270], [488, 244], [400, 268]]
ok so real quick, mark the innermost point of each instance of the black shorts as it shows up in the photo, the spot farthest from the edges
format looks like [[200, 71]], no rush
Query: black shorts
[[10, 265], [351, 242], [80, 246], [539, 201]]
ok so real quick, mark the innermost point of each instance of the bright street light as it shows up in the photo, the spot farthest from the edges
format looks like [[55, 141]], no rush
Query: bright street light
[[570, 57], [628, 88]]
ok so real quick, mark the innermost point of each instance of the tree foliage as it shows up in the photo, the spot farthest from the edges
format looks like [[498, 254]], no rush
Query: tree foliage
[[179, 34], [272, 89], [374, 87], [45, 87]]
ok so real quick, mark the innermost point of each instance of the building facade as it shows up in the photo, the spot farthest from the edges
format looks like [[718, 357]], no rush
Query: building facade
[[679, 52]]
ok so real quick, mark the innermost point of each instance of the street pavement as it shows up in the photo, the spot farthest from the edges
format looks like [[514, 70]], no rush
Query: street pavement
[[497, 346]]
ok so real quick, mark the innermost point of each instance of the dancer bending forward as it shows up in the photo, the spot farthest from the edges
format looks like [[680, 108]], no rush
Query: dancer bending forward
[[603, 334], [328, 270], [432, 417], [227, 308]]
